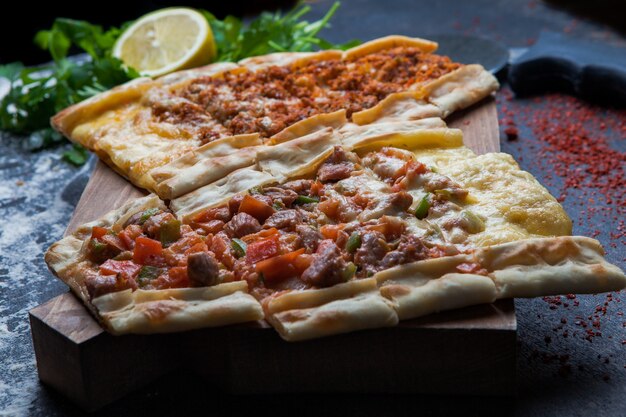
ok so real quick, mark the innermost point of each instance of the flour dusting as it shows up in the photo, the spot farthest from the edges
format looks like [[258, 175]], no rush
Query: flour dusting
[[33, 215]]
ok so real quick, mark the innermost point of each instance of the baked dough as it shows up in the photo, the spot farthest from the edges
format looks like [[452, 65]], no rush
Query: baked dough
[[308, 314], [153, 311], [169, 158], [526, 268]]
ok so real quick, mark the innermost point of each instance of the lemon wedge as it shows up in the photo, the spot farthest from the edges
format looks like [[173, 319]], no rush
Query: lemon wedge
[[166, 40]]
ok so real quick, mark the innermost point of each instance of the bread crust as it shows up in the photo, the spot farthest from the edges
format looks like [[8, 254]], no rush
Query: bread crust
[[154, 311], [170, 160]]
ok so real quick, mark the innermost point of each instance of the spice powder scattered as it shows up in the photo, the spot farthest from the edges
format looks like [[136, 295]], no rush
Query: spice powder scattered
[[575, 149]]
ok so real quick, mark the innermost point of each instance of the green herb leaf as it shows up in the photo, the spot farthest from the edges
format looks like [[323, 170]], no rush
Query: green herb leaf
[[303, 199], [239, 247], [354, 242], [147, 214], [271, 32], [421, 211], [11, 71], [255, 190], [349, 271], [37, 93], [147, 273], [97, 246], [169, 231]]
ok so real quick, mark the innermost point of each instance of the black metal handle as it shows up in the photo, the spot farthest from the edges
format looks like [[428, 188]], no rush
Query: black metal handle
[[592, 70]]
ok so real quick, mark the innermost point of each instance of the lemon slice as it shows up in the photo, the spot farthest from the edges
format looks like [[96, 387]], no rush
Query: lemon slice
[[166, 40]]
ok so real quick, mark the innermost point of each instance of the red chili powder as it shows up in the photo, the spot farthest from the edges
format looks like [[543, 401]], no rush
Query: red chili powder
[[570, 143], [574, 138]]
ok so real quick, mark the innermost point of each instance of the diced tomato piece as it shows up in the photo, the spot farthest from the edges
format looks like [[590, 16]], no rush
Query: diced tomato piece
[[302, 262], [329, 231], [176, 277], [186, 242], [198, 247], [98, 232], [263, 249], [409, 171], [329, 207], [256, 208], [221, 213], [221, 247], [146, 249], [264, 233], [316, 188], [126, 269], [279, 267], [360, 200], [128, 242]]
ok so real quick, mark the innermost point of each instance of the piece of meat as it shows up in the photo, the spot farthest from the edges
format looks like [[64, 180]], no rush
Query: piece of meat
[[202, 269], [309, 236], [233, 203], [372, 250], [410, 249], [338, 166], [213, 226], [242, 224], [283, 219], [98, 285], [221, 213], [299, 186], [282, 195], [334, 172], [327, 267]]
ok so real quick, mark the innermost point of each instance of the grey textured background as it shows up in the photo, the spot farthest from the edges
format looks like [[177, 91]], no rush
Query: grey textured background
[[565, 376]]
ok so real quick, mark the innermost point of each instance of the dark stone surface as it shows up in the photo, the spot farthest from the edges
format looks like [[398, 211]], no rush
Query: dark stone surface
[[558, 376]]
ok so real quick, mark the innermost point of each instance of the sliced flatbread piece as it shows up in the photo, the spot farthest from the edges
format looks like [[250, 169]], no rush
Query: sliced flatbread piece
[[178, 309], [155, 132], [149, 311], [205, 165], [219, 192], [526, 268], [309, 314]]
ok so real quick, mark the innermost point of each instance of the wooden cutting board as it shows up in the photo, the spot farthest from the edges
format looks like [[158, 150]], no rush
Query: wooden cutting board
[[466, 351]]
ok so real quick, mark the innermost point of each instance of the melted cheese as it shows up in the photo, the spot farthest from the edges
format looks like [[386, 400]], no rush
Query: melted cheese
[[511, 202]]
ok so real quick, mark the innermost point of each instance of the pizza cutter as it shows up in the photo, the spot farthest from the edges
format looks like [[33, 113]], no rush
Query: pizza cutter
[[595, 71]]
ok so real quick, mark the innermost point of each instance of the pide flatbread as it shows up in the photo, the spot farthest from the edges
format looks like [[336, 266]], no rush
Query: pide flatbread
[[322, 192], [525, 268], [158, 133], [325, 234], [129, 309]]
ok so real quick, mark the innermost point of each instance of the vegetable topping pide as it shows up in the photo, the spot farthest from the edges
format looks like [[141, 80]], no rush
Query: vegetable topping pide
[[270, 99], [355, 217]]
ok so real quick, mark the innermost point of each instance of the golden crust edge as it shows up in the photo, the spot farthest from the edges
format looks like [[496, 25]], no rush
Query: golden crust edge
[[178, 309]]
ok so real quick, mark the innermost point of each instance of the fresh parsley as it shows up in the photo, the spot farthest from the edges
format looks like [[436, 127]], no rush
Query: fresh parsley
[[271, 32], [34, 94]]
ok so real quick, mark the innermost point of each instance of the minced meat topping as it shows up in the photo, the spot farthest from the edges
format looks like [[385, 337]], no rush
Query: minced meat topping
[[375, 212], [269, 100]]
